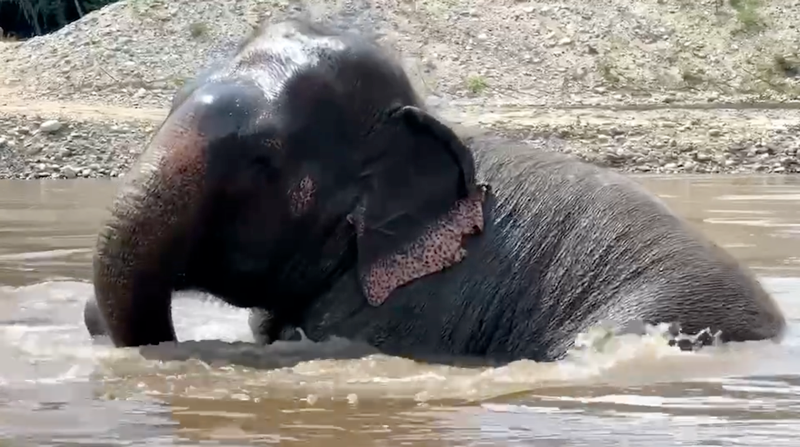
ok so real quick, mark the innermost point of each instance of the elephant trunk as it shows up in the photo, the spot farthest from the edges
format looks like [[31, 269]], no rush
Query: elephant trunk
[[143, 245]]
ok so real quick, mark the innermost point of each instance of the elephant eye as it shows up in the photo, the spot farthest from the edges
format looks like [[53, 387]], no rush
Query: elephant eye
[[265, 164], [263, 157], [262, 161]]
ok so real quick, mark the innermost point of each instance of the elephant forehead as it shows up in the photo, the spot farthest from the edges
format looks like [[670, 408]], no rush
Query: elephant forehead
[[272, 61]]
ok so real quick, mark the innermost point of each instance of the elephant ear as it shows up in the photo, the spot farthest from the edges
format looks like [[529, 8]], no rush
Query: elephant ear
[[419, 199]]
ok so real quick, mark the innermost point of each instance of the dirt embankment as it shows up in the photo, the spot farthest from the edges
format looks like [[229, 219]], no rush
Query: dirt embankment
[[641, 86]]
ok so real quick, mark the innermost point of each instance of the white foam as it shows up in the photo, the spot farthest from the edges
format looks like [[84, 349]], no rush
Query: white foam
[[216, 356]]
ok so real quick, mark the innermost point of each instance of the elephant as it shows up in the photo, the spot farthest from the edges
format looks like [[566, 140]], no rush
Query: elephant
[[392, 229], [565, 246], [237, 131]]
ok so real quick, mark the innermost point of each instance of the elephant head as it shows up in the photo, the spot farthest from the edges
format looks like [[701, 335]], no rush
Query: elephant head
[[303, 159]]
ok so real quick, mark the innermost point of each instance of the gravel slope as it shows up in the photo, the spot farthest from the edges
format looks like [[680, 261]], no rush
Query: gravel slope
[[509, 65]]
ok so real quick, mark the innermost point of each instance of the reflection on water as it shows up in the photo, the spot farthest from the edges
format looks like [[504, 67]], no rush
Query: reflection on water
[[756, 218], [57, 387], [48, 229]]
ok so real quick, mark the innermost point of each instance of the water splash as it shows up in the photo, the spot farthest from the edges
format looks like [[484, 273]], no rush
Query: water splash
[[217, 358]]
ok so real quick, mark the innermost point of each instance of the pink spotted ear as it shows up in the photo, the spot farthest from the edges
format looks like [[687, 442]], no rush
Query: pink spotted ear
[[420, 205], [438, 247]]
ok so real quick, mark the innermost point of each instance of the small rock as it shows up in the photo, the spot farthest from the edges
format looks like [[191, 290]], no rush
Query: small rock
[[714, 133], [50, 126], [69, 172], [564, 41], [702, 156]]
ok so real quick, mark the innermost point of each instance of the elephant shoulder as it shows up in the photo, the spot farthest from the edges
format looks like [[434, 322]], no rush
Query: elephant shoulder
[[527, 173]]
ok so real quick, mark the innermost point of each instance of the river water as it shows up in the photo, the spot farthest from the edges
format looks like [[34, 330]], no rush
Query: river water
[[57, 387]]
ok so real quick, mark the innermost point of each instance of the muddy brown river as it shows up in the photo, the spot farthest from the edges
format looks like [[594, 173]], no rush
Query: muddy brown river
[[57, 387]]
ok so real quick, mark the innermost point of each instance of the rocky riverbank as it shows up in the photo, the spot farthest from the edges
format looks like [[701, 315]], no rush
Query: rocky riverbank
[[94, 142], [508, 65], [34, 147]]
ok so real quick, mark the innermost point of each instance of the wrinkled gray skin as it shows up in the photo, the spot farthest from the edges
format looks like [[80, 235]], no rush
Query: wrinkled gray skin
[[564, 244], [567, 245]]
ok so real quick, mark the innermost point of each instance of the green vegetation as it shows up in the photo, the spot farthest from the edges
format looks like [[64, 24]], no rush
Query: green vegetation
[[747, 13], [198, 29], [26, 18], [608, 72], [476, 84]]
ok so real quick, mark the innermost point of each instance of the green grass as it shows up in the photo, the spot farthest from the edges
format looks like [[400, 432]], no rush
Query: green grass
[[198, 30], [476, 84], [748, 15]]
